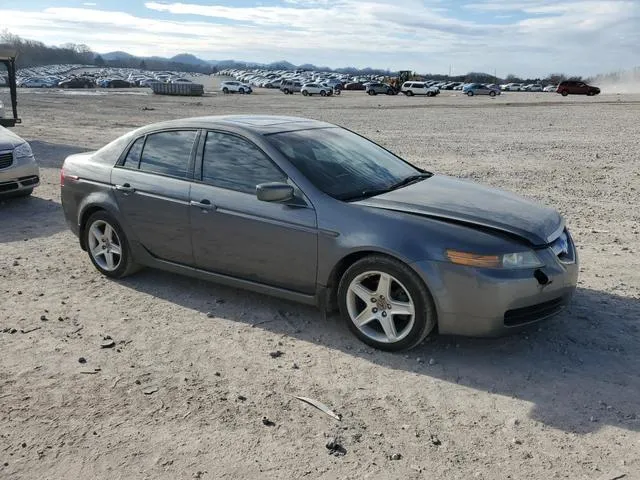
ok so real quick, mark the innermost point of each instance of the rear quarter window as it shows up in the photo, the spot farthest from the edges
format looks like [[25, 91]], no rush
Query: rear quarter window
[[132, 160]]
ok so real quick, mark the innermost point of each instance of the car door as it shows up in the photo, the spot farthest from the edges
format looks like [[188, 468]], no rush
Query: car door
[[234, 233], [151, 185]]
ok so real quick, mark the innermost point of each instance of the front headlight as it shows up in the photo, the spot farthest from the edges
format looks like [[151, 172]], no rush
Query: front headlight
[[527, 259], [22, 151]]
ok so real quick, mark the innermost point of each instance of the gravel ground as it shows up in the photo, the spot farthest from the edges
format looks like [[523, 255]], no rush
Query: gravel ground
[[183, 392]]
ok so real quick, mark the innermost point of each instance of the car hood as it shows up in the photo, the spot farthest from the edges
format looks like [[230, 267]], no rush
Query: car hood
[[9, 140], [470, 203]]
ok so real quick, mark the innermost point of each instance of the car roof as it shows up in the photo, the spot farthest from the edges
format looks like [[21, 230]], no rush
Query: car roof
[[261, 124]]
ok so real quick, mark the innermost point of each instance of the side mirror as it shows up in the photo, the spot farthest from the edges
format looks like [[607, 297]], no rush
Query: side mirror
[[274, 192]]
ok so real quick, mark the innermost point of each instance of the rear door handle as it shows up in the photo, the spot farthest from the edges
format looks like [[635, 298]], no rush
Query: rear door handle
[[203, 204], [126, 188]]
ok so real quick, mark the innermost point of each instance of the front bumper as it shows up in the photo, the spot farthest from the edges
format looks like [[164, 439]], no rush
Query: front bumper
[[22, 175], [491, 302]]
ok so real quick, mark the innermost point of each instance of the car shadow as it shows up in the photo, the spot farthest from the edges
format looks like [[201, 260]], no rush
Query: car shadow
[[24, 218], [591, 350], [52, 155]]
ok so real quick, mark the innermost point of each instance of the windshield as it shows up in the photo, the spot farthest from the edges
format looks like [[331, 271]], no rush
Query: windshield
[[341, 163]]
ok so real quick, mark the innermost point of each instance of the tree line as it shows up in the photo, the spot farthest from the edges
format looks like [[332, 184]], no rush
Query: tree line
[[32, 53]]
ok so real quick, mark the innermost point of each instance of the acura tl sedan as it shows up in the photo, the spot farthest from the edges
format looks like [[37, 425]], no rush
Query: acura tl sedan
[[309, 211]]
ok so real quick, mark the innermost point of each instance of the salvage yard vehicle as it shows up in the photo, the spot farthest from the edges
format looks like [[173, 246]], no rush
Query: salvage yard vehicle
[[19, 173], [289, 87], [375, 88], [78, 82], [309, 89], [235, 87], [311, 212], [574, 87], [472, 89], [419, 88]]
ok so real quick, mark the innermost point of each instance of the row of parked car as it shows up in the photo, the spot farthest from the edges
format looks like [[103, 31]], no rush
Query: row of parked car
[[61, 76]]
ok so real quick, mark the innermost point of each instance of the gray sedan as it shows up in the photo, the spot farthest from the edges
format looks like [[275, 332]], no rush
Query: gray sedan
[[311, 212]]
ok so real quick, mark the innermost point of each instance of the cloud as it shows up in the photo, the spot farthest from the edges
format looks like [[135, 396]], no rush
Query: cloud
[[525, 37]]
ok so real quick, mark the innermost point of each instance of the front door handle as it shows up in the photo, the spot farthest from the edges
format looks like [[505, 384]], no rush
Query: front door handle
[[203, 204], [126, 188]]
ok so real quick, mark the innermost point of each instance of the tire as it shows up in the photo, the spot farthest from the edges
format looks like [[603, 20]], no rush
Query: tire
[[470, 93], [410, 93], [225, 90], [323, 93], [406, 287], [565, 93], [241, 91], [492, 93], [389, 92], [123, 263], [305, 93], [286, 91]]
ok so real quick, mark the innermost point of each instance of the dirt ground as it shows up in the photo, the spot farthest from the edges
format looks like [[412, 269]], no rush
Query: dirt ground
[[184, 391]]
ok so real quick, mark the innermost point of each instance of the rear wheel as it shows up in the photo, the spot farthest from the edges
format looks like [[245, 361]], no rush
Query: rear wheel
[[286, 91], [323, 93], [386, 304], [565, 93], [305, 93], [107, 246], [410, 93]]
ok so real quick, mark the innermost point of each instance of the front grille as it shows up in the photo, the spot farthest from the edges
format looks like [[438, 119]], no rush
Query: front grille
[[6, 159], [520, 316]]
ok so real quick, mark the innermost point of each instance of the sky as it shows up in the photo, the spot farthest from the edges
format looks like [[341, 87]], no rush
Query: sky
[[524, 37]]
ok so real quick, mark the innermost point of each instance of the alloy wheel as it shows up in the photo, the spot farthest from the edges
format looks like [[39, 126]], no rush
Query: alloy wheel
[[380, 306], [104, 245]]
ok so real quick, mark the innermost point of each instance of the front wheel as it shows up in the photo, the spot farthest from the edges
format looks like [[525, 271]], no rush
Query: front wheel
[[107, 246], [470, 93], [565, 93], [286, 91], [305, 93], [241, 90], [386, 304], [323, 93], [492, 93], [225, 90]]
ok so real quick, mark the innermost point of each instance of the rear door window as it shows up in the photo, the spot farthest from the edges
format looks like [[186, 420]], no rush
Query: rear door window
[[168, 153], [236, 164]]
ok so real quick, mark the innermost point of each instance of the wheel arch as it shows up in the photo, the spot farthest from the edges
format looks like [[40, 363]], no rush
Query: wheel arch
[[92, 205], [339, 269]]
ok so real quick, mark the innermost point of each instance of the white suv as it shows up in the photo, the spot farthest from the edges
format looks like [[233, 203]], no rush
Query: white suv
[[316, 89], [235, 87], [419, 88]]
